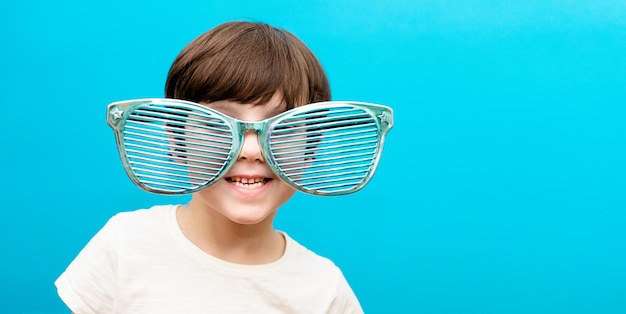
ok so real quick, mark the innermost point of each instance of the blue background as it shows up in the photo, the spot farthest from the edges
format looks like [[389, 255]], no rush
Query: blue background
[[501, 188]]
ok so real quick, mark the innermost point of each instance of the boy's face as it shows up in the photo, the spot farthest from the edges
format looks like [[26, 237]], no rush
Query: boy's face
[[250, 192]]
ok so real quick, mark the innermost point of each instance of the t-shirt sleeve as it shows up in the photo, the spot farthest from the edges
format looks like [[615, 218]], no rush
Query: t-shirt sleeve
[[346, 301], [89, 283]]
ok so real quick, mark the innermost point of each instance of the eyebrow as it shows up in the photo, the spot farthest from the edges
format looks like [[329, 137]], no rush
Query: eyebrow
[[225, 110], [276, 111]]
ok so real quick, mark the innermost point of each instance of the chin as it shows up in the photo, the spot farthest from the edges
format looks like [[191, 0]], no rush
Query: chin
[[247, 220], [249, 216]]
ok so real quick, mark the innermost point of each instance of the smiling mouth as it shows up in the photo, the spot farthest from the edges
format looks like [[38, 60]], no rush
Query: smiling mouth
[[248, 183]]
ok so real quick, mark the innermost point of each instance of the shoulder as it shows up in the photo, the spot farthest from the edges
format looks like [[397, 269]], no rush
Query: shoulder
[[141, 225], [92, 280], [318, 265], [302, 253], [323, 274], [140, 215], [153, 217]]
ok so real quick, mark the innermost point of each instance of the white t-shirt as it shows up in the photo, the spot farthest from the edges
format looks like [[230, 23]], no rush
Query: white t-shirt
[[140, 262]]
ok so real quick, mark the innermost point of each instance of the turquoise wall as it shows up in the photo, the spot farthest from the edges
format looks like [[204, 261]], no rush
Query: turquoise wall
[[501, 188]]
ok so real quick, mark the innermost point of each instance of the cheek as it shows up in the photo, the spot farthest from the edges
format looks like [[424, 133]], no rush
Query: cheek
[[212, 191], [294, 154], [284, 192], [203, 153]]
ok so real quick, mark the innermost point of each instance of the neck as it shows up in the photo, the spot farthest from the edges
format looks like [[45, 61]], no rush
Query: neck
[[224, 239]]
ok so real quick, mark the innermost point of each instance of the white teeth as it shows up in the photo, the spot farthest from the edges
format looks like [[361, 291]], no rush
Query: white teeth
[[246, 180], [247, 183]]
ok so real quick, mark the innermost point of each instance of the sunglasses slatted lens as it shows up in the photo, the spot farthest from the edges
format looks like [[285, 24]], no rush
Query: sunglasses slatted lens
[[172, 148], [327, 151]]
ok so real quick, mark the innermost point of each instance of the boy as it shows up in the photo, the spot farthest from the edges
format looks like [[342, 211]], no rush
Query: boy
[[219, 253]]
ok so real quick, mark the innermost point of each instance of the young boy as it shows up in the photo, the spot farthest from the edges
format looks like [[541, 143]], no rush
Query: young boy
[[219, 253]]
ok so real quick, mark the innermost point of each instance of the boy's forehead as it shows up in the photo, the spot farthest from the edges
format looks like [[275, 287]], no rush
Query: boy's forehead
[[249, 111]]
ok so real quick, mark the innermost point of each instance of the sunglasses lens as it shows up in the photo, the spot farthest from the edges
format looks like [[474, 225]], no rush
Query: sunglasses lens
[[173, 148], [327, 150]]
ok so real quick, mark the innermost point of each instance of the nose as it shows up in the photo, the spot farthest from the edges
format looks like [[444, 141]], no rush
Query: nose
[[250, 150]]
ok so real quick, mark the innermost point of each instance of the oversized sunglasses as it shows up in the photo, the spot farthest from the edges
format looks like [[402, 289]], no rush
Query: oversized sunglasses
[[171, 146]]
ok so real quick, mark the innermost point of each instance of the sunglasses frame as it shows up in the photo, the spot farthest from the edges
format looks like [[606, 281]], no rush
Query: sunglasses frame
[[119, 111]]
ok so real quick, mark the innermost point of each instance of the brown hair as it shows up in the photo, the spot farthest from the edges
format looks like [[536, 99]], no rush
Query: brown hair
[[247, 62]]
